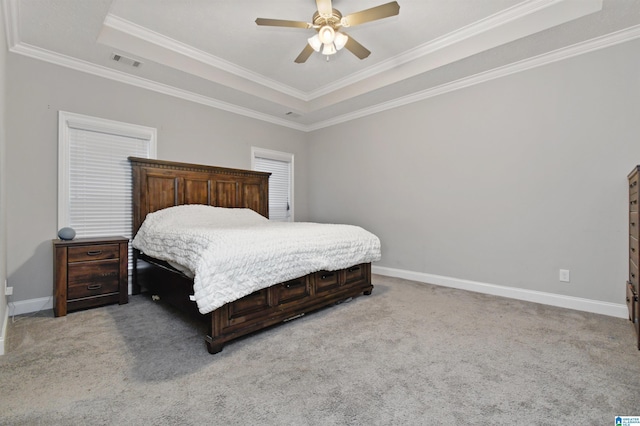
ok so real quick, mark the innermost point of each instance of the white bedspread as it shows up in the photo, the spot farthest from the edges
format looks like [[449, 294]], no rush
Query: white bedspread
[[234, 252]]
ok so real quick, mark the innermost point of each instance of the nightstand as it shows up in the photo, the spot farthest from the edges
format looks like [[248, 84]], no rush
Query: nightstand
[[89, 272]]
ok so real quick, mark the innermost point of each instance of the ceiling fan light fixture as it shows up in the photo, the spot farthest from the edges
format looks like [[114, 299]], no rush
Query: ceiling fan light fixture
[[340, 40], [326, 34], [315, 42], [327, 22]]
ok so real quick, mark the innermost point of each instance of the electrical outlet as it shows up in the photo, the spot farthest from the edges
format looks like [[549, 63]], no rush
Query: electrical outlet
[[564, 275], [8, 291]]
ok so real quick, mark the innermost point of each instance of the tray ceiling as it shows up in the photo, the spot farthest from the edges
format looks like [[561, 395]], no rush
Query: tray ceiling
[[212, 52]]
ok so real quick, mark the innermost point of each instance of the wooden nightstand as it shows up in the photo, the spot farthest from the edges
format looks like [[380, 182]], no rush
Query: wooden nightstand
[[89, 272]]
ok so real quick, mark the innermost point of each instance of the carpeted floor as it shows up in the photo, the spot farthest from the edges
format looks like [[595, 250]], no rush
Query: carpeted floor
[[409, 354]]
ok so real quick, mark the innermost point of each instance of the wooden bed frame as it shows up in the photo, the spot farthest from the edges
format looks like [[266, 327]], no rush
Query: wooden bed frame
[[159, 184]]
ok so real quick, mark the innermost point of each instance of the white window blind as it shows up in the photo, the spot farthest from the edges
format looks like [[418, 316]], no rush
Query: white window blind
[[280, 182], [100, 182], [94, 181]]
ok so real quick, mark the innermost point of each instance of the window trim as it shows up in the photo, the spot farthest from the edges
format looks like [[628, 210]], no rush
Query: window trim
[[280, 156], [69, 120]]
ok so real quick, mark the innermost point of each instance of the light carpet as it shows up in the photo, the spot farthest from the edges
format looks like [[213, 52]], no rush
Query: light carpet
[[409, 354]]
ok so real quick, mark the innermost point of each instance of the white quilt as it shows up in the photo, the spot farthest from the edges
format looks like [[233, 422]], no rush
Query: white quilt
[[234, 252]]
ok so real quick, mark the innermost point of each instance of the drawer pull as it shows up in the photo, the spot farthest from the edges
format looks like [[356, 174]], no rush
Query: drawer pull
[[628, 300], [354, 268], [633, 275], [633, 224], [94, 252], [94, 286], [325, 276]]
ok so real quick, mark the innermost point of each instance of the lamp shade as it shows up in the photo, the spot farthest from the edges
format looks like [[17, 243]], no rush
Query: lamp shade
[[326, 34], [315, 42], [340, 40], [329, 49]]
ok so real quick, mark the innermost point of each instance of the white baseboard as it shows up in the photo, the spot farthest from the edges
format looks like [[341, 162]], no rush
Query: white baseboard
[[31, 305], [569, 302], [3, 335], [34, 305]]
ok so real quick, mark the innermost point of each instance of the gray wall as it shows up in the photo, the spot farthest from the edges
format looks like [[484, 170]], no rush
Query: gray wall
[[187, 132], [503, 183], [3, 204]]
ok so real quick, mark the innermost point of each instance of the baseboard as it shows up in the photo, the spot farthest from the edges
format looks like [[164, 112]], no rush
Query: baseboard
[[3, 336], [30, 305], [34, 305], [569, 302]]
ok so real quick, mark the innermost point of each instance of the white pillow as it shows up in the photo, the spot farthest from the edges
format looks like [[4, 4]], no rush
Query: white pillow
[[198, 215]]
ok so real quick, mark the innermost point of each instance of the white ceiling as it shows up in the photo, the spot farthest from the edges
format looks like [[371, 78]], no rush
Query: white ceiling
[[212, 52]]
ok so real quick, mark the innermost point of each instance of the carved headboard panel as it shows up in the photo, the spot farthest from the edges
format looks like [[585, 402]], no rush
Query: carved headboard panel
[[158, 184]]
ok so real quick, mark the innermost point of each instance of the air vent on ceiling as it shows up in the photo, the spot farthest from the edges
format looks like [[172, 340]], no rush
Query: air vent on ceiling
[[127, 61]]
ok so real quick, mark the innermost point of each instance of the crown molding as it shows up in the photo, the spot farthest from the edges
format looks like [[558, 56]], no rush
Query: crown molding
[[489, 23], [577, 49], [15, 46], [515, 22], [119, 76], [138, 32], [588, 46], [10, 9]]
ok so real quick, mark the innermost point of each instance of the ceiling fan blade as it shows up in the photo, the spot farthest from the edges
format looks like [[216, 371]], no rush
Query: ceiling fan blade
[[282, 23], [356, 48], [324, 7], [304, 55], [373, 14]]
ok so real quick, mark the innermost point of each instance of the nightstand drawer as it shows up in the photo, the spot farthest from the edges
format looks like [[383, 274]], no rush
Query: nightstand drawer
[[93, 278], [93, 252]]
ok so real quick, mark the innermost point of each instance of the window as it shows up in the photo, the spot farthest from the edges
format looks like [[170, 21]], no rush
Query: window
[[280, 165], [94, 175]]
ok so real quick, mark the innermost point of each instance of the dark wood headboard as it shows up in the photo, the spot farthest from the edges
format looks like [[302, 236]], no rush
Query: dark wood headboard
[[158, 184]]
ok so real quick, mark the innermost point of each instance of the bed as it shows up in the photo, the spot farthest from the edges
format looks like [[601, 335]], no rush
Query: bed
[[165, 189]]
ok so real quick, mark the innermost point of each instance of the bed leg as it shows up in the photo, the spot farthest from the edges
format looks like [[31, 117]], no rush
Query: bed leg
[[368, 291], [213, 347]]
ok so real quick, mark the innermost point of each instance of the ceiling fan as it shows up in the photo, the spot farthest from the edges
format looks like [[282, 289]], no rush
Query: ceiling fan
[[327, 21]]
